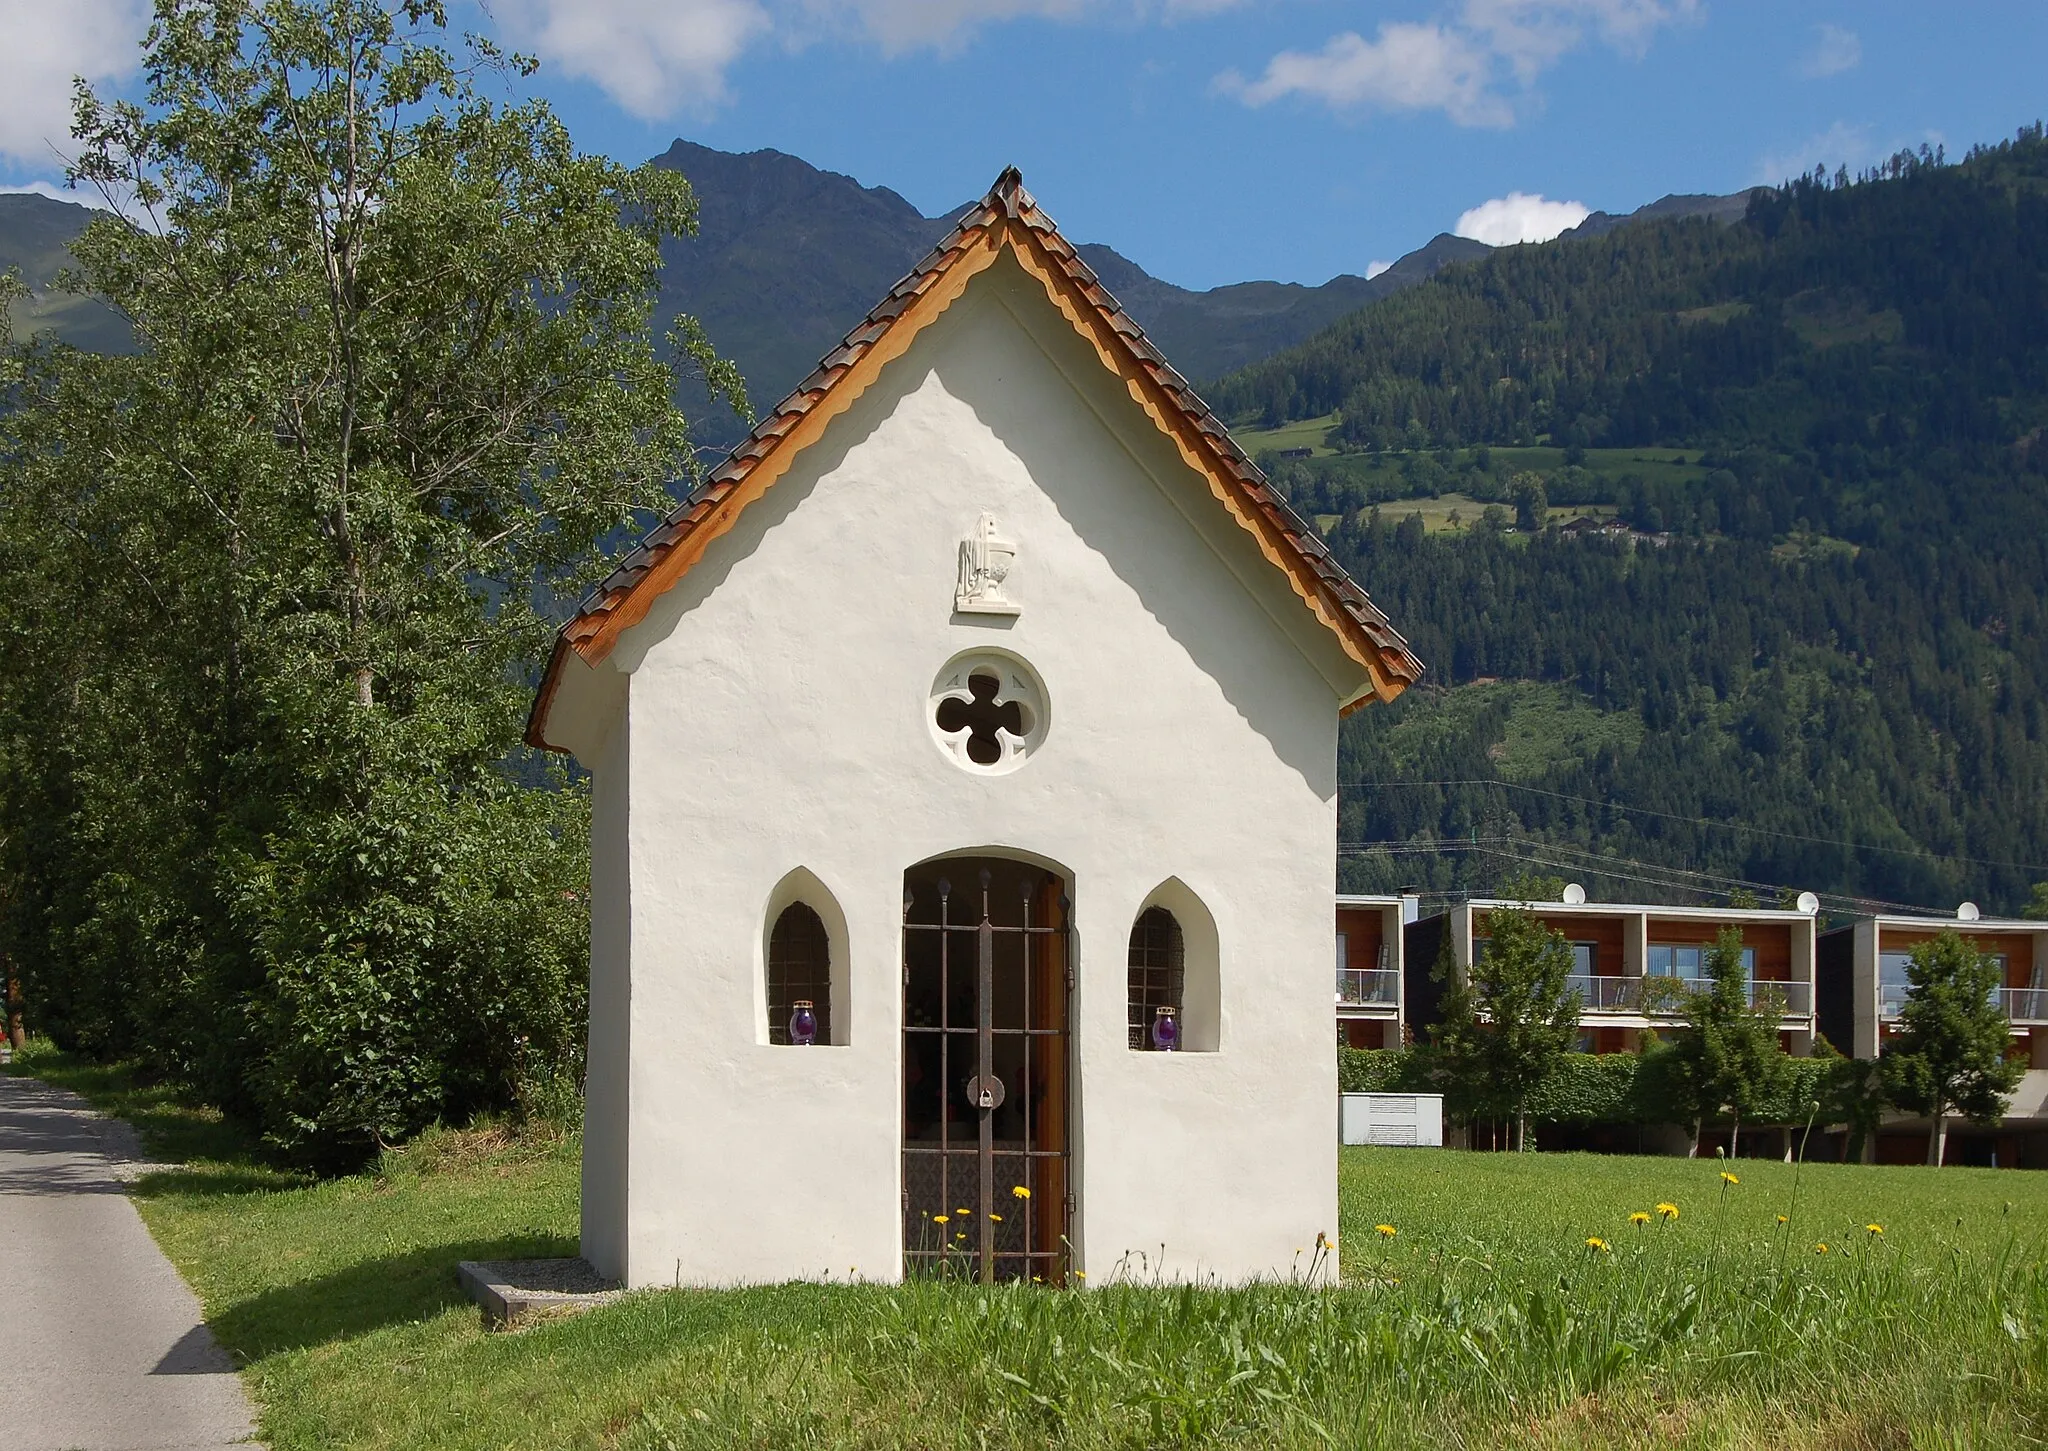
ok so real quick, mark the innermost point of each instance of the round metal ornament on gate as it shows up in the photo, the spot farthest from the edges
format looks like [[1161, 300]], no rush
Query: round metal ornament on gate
[[986, 1092]]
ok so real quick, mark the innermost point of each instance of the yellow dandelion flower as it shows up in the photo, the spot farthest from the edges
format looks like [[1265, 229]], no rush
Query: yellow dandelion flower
[[1873, 1229], [1782, 1219], [942, 1218], [1594, 1242], [997, 1218], [1385, 1231], [1667, 1210], [1821, 1248], [1020, 1192], [1728, 1178], [1080, 1274], [1641, 1216], [963, 1213]]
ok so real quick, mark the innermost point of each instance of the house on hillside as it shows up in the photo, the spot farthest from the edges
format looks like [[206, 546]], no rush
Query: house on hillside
[[964, 815], [1863, 987]]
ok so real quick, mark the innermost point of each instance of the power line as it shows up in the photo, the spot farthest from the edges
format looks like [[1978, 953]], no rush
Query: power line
[[1707, 822], [1531, 851]]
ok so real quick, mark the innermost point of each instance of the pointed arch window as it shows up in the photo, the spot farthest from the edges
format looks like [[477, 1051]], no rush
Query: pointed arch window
[[1158, 972], [799, 970]]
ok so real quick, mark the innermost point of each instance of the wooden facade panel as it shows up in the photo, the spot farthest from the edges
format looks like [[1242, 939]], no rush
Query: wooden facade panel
[[1772, 940], [1364, 929], [1605, 933], [2016, 945]]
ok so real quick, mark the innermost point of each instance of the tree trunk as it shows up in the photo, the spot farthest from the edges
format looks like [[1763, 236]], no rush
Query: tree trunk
[[1937, 1139], [16, 1034], [1734, 1133], [1692, 1150]]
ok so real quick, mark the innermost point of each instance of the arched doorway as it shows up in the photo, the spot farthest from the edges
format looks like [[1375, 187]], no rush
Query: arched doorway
[[986, 984]]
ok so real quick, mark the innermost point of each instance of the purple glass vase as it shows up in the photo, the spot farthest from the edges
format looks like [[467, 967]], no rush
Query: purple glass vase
[[803, 1023], [1165, 1031]]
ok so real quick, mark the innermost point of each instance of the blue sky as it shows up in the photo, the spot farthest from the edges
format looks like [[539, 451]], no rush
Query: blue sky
[[1217, 140]]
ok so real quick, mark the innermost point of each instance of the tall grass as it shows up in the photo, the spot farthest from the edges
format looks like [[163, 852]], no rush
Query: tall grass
[[1486, 1319]]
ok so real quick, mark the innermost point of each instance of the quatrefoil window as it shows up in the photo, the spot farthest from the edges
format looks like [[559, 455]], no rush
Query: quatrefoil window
[[982, 718], [987, 711]]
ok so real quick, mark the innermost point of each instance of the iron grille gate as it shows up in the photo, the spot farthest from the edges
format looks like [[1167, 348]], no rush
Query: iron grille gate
[[985, 1094]]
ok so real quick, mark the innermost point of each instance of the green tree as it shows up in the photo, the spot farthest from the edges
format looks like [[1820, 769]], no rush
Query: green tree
[[1509, 1017], [1949, 1055], [1728, 1048], [1532, 505], [2036, 909], [399, 374], [1852, 1094]]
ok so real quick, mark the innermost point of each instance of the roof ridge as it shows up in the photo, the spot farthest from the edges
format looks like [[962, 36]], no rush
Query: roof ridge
[[1007, 201]]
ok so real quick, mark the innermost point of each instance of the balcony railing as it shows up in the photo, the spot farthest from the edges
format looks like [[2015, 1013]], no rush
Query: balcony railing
[[1796, 998], [1665, 996], [2021, 1004], [2024, 1004], [1607, 994], [1369, 986]]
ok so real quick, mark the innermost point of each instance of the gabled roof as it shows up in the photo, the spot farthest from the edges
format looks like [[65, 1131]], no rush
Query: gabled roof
[[1006, 219]]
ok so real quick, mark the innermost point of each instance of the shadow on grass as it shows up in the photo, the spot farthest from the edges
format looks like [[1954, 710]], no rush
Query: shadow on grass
[[195, 1180], [172, 1129], [368, 1296]]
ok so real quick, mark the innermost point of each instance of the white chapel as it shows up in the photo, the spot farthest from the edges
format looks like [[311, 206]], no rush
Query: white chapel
[[964, 757]]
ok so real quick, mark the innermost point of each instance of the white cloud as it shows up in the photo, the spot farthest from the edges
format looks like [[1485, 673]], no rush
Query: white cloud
[[47, 43], [659, 58], [1375, 267], [1519, 217], [1454, 65], [1840, 145], [1836, 50], [903, 25], [654, 57], [1405, 68]]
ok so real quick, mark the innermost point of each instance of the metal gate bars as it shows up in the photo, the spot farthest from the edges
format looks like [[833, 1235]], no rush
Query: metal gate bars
[[985, 1090]]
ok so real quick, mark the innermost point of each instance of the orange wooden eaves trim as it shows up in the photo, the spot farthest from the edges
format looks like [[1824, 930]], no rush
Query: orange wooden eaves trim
[[1198, 452], [946, 286]]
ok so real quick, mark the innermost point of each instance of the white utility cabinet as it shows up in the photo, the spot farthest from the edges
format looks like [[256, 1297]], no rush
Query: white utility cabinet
[[1407, 1119]]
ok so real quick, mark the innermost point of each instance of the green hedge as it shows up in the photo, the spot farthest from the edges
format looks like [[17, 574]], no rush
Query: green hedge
[[1621, 1088]]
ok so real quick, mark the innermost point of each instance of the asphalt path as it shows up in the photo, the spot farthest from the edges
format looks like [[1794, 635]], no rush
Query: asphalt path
[[101, 1343]]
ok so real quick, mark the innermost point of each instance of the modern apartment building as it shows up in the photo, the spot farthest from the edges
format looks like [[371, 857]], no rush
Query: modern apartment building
[[1862, 988], [1370, 969], [1631, 962]]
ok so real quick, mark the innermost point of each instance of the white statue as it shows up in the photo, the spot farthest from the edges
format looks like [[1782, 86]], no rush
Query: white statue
[[985, 562]]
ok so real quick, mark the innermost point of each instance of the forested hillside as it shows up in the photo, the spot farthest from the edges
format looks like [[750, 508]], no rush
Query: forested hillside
[[1806, 648]]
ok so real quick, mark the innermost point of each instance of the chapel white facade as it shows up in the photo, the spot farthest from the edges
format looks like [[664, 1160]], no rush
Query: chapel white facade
[[987, 700]]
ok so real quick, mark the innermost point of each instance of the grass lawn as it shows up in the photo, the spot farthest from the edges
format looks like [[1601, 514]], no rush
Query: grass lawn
[[1486, 1320], [1460, 511], [1540, 726], [1304, 433], [1651, 463]]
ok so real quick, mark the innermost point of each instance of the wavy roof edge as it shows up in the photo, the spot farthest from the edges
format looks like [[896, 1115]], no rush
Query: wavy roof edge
[[609, 608]]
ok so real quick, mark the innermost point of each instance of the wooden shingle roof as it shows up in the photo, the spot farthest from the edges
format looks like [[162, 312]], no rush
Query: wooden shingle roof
[[1007, 219]]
